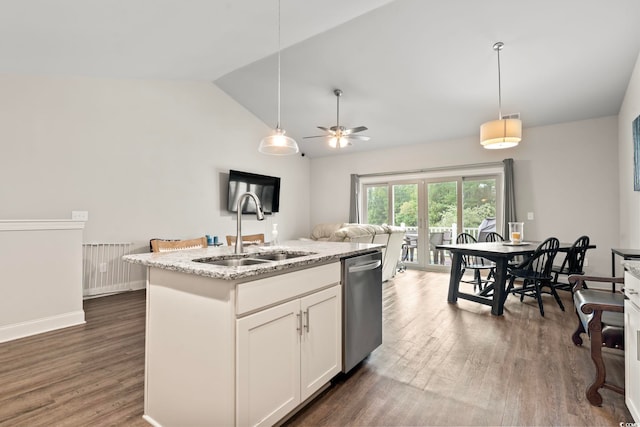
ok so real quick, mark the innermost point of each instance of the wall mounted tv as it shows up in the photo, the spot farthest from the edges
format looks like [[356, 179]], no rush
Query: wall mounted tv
[[267, 188]]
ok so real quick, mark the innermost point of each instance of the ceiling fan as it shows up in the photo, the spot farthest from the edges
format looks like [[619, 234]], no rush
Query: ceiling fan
[[340, 136]]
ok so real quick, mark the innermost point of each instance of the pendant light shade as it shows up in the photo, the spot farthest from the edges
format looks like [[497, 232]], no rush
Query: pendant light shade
[[277, 143], [501, 133]]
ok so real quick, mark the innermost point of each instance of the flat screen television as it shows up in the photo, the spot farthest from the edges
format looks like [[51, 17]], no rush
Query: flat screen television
[[267, 188]]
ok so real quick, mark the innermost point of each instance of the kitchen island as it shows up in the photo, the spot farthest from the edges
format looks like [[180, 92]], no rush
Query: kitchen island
[[241, 345]]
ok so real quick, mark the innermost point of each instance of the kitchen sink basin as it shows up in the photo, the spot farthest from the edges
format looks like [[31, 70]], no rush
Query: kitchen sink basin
[[251, 259], [279, 256], [231, 262]]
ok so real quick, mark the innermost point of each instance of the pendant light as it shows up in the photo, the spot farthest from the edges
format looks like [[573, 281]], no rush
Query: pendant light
[[501, 133], [278, 143]]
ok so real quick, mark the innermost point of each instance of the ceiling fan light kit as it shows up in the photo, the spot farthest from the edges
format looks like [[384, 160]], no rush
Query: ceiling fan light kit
[[278, 143], [504, 132], [339, 136]]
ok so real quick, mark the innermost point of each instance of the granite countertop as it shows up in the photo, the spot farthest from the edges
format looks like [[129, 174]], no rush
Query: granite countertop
[[182, 261], [633, 267]]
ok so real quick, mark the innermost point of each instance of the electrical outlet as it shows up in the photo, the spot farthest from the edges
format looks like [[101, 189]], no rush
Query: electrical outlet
[[103, 267], [80, 215]]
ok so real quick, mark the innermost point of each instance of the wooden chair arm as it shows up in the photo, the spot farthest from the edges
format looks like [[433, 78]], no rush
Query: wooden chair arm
[[589, 301], [577, 280]]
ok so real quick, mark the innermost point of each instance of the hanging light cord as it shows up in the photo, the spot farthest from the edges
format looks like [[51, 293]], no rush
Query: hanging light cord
[[278, 122], [498, 47]]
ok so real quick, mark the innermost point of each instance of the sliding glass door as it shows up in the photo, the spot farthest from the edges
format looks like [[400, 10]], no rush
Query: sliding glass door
[[434, 211], [396, 204], [443, 217]]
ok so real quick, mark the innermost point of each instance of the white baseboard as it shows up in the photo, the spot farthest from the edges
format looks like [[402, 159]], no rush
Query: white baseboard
[[38, 326], [151, 421], [106, 291], [138, 284]]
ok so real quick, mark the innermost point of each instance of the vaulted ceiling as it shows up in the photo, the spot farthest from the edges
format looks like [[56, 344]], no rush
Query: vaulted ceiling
[[412, 71]]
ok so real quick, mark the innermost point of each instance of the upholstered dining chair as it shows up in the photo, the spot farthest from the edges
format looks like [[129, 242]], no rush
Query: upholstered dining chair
[[601, 316], [572, 264], [535, 273], [248, 239], [162, 245], [472, 262]]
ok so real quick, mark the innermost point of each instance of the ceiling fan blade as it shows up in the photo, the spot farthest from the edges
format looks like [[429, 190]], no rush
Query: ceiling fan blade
[[359, 137], [323, 128], [354, 130], [315, 136]]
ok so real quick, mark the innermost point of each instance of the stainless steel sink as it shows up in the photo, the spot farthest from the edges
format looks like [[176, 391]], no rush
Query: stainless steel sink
[[252, 259], [280, 256], [231, 262]]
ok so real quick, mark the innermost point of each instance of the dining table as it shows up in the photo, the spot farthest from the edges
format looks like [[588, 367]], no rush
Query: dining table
[[501, 253]]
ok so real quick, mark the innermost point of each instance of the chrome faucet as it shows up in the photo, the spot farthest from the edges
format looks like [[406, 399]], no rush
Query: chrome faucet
[[259, 215]]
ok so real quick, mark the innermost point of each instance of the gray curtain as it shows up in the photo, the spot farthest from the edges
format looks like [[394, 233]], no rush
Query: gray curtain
[[354, 205], [509, 196]]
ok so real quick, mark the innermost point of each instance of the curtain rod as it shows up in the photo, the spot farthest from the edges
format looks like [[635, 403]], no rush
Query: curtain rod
[[436, 169]]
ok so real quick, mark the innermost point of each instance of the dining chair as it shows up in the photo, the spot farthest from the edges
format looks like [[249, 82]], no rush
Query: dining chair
[[535, 273], [601, 316], [248, 239], [492, 236], [572, 264], [472, 262], [163, 245]]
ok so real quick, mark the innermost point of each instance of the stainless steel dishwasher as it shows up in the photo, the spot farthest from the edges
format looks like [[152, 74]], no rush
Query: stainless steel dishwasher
[[362, 307]]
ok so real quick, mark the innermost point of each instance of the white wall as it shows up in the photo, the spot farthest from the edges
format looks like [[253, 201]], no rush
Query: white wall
[[629, 199], [565, 174], [145, 158]]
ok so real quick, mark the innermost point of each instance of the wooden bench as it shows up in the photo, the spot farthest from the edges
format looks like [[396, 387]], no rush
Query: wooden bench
[[601, 313]]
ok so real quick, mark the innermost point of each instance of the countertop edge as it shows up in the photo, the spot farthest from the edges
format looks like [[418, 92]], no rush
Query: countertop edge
[[182, 261]]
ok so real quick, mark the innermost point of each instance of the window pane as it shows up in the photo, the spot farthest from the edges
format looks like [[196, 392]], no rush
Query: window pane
[[378, 205], [405, 205], [442, 202], [479, 206]]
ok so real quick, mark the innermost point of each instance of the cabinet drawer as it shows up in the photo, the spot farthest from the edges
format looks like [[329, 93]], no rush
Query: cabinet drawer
[[632, 288], [262, 293]]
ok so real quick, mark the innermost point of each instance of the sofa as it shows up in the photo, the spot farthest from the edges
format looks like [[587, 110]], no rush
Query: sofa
[[390, 236]]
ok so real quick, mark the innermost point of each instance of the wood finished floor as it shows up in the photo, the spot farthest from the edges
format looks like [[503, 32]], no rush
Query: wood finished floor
[[440, 364]]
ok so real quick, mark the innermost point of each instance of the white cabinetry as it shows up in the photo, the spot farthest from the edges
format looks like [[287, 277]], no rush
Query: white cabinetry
[[285, 354], [224, 353], [632, 345]]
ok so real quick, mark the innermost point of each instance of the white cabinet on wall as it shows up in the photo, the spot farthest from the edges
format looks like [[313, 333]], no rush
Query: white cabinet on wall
[[632, 344], [285, 354]]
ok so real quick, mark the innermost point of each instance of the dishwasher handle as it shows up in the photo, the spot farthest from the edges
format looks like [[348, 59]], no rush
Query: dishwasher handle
[[365, 267]]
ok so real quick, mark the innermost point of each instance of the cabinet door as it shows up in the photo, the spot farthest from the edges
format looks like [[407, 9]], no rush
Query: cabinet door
[[632, 358], [268, 369], [321, 352]]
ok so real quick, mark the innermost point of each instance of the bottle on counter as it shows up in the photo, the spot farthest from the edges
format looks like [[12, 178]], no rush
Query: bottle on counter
[[274, 235]]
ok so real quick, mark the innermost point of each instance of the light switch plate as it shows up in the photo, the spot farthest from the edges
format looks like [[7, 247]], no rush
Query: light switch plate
[[80, 215], [530, 216]]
